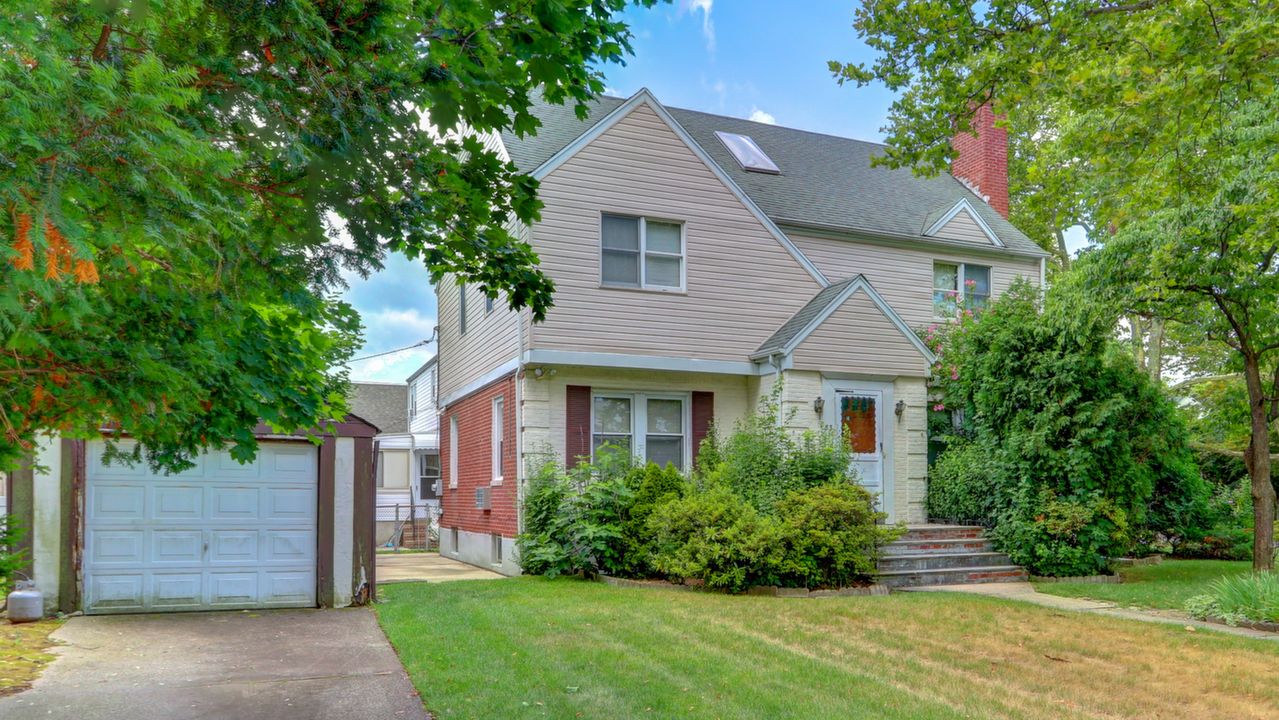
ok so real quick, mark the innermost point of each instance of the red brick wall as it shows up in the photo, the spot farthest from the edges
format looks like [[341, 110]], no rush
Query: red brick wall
[[982, 159], [475, 465]]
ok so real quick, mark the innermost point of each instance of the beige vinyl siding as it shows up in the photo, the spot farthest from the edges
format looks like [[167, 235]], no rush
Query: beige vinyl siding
[[858, 338], [910, 450], [904, 276], [741, 283], [427, 419], [964, 227]]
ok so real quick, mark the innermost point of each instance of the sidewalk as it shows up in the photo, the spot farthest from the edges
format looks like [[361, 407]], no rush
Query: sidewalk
[[1025, 592]]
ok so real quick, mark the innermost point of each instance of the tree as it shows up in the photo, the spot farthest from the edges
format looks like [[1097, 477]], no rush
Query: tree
[[1163, 109], [182, 182]]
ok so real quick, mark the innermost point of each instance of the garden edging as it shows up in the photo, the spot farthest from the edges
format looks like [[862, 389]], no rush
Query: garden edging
[[757, 590]]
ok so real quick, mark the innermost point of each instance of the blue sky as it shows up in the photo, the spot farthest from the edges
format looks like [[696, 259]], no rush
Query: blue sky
[[747, 58]]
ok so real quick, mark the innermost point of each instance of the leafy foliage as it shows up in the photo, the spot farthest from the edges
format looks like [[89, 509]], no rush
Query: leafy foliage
[[1253, 597], [1154, 124], [1079, 452], [183, 183], [832, 535], [11, 558], [718, 537], [961, 485]]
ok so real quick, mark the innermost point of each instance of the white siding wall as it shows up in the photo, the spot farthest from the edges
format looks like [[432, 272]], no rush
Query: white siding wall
[[964, 227], [904, 276], [741, 283], [490, 338], [427, 418], [910, 449], [858, 338]]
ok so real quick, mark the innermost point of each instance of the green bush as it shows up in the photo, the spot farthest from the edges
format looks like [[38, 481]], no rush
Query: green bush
[[1085, 457], [761, 461], [574, 522], [652, 486], [1252, 597], [717, 537], [10, 557], [832, 536], [962, 486]]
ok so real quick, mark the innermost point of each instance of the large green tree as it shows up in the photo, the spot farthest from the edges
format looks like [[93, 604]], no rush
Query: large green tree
[[1161, 114], [183, 181]]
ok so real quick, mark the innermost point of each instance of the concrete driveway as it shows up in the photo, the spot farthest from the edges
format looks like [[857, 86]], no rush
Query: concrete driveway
[[276, 664]]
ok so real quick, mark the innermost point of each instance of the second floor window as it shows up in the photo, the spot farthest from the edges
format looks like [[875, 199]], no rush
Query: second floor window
[[959, 283], [413, 401], [461, 309], [641, 253]]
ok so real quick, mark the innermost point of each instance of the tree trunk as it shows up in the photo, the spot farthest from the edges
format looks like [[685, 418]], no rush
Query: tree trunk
[[1155, 353], [1257, 459], [1138, 329]]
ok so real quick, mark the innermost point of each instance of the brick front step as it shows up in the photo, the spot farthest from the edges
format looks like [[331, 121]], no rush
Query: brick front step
[[936, 547], [948, 561], [942, 532], [960, 576]]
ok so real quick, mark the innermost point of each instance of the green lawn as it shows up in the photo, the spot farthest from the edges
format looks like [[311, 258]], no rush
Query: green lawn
[[24, 653], [1167, 585], [534, 648]]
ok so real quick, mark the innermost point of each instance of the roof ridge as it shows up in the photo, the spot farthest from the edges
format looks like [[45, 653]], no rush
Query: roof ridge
[[779, 126]]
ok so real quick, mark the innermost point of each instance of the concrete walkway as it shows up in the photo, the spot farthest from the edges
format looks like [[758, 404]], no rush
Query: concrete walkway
[[427, 567], [1026, 592], [277, 665]]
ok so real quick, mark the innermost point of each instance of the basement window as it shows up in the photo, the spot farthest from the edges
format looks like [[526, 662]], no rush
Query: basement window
[[748, 153]]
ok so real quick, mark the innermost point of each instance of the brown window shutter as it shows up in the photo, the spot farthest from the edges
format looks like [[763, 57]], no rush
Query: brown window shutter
[[703, 413], [577, 433]]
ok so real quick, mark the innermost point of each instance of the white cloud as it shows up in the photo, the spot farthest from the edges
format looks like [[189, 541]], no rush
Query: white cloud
[[760, 116], [708, 26]]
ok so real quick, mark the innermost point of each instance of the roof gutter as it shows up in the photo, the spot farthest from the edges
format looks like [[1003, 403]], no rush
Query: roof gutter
[[846, 233]]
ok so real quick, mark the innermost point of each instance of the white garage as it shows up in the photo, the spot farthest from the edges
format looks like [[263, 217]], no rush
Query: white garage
[[218, 536]]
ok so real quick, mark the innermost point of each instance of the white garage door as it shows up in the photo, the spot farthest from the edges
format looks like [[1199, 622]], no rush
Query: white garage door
[[219, 536]]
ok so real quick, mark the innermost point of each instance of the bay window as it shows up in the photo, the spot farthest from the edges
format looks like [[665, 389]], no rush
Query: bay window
[[641, 253], [653, 427]]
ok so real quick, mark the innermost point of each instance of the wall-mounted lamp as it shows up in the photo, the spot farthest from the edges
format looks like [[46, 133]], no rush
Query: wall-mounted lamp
[[901, 408], [819, 404], [541, 372]]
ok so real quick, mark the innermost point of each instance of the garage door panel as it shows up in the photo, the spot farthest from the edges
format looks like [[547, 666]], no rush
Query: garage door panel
[[115, 592], [97, 466], [177, 591], [287, 587], [233, 547], [176, 547], [221, 536], [233, 503], [288, 504], [288, 546], [118, 547], [116, 503], [177, 502]]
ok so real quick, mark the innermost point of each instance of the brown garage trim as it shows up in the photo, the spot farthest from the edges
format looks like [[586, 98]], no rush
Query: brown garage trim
[[363, 510], [72, 499], [324, 523], [22, 510]]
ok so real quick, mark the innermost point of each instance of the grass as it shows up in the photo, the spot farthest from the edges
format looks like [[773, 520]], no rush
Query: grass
[[533, 648], [22, 653], [1167, 585]]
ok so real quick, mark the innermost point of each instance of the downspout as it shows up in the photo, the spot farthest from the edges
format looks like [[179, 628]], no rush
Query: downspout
[[519, 421]]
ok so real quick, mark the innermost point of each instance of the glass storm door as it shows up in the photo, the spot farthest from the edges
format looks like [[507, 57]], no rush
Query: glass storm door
[[861, 420]]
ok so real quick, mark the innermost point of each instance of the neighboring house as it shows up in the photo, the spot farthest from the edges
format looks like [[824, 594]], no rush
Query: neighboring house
[[386, 405], [698, 260], [293, 528]]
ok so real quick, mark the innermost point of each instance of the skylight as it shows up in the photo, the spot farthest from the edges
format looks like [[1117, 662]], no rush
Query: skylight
[[747, 153]]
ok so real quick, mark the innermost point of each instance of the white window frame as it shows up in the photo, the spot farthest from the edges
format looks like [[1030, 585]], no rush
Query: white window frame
[[413, 400], [422, 477], [453, 452], [960, 271], [497, 438], [639, 420], [644, 252]]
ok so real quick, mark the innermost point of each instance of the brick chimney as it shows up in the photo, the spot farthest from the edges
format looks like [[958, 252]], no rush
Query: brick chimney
[[981, 160]]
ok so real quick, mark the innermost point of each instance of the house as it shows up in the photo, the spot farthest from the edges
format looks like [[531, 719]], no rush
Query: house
[[408, 467], [699, 260], [292, 528]]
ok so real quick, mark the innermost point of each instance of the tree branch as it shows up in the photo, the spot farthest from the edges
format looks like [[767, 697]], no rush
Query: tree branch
[[100, 49]]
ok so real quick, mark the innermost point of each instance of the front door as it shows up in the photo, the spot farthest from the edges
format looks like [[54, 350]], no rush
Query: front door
[[861, 420]]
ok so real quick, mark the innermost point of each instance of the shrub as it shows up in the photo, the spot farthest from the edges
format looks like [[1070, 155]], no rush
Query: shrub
[[717, 537], [832, 536], [1084, 455], [962, 486], [10, 557], [574, 523], [1252, 597], [761, 461], [652, 487]]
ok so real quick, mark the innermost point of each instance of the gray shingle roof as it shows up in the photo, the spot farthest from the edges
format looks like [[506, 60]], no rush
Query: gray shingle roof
[[826, 181], [385, 405], [791, 329]]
